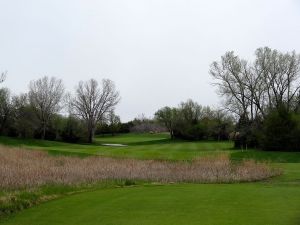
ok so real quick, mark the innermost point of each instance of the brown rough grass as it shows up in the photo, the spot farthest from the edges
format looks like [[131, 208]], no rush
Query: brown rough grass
[[25, 169]]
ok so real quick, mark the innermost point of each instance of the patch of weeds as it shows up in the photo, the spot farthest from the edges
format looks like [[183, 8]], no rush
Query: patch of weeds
[[129, 183]]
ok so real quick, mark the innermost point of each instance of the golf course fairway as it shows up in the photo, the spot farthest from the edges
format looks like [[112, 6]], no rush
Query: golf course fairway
[[205, 204]]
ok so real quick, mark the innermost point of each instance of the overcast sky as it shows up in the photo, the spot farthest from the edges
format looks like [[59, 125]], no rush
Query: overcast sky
[[158, 52]]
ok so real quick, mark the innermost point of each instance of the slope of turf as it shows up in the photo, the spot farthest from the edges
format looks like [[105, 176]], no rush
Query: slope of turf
[[226, 204], [141, 146], [150, 146]]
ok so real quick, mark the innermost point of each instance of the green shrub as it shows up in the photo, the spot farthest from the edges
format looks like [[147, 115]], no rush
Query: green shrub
[[281, 131], [73, 130]]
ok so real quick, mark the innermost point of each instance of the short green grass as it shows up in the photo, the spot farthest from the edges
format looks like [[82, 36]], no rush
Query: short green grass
[[272, 202], [18, 200], [150, 146], [141, 146], [243, 204]]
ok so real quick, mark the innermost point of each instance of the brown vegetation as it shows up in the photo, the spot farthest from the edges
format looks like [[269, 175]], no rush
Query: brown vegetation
[[24, 168]]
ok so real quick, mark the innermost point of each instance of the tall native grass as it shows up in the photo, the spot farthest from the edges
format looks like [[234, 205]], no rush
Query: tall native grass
[[28, 169]]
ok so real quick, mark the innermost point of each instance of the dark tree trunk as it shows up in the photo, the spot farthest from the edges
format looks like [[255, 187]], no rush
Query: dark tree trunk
[[90, 135], [44, 132]]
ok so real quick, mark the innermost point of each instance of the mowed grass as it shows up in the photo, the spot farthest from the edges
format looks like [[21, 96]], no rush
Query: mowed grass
[[150, 146], [243, 204], [271, 202], [139, 146]]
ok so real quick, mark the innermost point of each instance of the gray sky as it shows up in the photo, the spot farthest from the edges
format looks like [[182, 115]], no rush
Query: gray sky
[[158, 52]]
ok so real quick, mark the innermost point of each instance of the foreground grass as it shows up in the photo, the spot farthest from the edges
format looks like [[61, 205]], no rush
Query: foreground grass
[[170, 205], [17, 200]]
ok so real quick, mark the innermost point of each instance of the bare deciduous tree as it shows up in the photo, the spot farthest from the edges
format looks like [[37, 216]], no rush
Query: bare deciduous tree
[[230, 77], [252, 88], [280, 74], [45, 96], [92, 102]]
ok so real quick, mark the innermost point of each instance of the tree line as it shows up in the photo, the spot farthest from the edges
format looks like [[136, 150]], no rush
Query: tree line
[[192, 121], [36, 114], [260, 107]]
